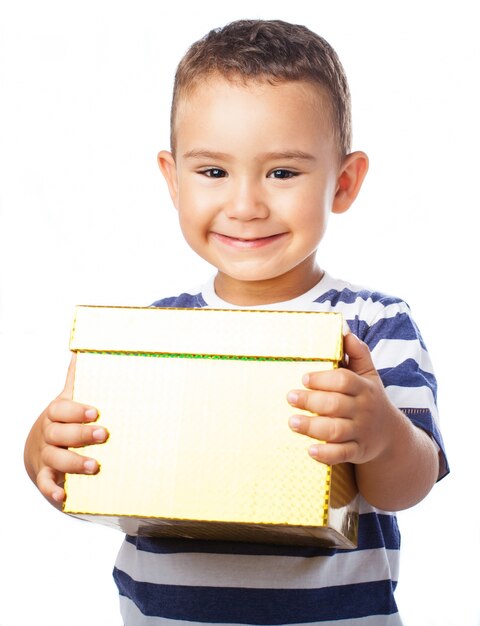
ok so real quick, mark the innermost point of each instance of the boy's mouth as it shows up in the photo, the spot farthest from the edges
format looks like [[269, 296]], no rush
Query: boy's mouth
[[251, 242]]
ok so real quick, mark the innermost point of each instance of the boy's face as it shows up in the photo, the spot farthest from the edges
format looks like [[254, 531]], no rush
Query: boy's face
[[255, 177]]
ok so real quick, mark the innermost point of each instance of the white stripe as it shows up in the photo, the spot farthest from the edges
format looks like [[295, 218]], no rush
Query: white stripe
[[392, 352], [366, 310], [413, 398], [133, 617], [257, 572], [192, 291]]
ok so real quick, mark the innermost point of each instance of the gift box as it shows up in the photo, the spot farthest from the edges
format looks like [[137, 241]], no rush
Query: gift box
[[194, 401]]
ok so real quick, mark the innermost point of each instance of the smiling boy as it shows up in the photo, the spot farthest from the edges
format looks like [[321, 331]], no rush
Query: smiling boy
[[260, 157]]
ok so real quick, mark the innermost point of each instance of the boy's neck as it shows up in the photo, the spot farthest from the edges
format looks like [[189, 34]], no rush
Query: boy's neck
[[257, 292]]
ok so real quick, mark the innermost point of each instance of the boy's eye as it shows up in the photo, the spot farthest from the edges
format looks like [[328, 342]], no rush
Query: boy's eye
[[281, 174], [214, 172]]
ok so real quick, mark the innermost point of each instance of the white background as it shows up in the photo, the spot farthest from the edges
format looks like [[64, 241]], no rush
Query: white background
[[85, 218]]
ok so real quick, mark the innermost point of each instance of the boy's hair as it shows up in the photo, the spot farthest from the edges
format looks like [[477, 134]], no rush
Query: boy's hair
[[270, 50]]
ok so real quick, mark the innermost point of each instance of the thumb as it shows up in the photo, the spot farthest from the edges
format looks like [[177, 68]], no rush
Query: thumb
[[68, 389], [359, 357]]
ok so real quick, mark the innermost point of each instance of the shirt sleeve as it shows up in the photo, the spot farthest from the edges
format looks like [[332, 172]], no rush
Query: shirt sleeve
[[403, 363]]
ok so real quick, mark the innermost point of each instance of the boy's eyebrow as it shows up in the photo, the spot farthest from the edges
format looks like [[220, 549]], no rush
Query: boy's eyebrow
[[289, 155], [205, 154], [270, 156]]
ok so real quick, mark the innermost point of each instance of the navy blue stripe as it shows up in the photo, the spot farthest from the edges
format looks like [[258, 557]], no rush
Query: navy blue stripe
[[424, 420], [375, 531], [378, 531], [259, 606], [408, 374], [400, 326], [183, 301], [347, 296], [358, 327]]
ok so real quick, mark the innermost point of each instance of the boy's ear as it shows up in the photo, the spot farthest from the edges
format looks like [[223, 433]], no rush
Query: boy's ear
[[167, 166], [352, 172]]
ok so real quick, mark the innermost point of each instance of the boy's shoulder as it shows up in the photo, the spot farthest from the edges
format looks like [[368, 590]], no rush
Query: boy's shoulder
[[337, 292], [363, 308]]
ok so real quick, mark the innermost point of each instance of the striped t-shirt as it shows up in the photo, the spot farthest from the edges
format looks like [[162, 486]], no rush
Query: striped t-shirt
[[172, 581]]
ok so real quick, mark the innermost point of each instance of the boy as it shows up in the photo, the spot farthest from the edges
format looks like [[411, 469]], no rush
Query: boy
[[260, 156]]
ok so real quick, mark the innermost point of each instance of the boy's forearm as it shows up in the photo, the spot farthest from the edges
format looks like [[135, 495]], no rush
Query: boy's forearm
[[30, 455], [405, 473]]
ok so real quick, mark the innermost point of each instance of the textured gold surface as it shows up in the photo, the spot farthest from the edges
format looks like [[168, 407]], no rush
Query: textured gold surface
[[209, 331], [202, 447]]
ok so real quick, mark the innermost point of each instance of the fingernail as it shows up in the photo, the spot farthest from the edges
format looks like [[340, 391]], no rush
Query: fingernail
[[57, 496], [99, 434], [294, 422], [305, 379], [292, 397], [313, 451], [90, 466], [91, 414]]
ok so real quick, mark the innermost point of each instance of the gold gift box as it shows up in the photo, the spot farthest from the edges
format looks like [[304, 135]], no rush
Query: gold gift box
[[199, 445]]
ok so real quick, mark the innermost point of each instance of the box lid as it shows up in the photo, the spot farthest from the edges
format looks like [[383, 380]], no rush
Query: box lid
[[249, 333]]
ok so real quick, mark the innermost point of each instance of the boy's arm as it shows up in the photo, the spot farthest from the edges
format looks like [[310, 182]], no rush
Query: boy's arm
[[62, 425], [396, 462]]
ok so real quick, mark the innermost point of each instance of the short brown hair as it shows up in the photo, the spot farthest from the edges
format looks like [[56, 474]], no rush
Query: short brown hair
[[270, 50]]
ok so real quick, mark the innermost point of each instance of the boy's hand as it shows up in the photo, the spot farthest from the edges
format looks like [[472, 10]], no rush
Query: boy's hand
[[64, 424], [352, 412], [397, 463]]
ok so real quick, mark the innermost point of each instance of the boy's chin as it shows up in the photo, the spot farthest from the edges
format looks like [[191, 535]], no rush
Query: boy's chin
[[248, 278], [254, 285]]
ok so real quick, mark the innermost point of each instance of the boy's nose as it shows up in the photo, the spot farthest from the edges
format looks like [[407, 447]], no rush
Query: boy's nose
[[246, 202]]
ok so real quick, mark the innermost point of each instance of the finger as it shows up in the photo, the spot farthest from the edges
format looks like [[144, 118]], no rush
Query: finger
[[74, 435], [326, 403], [329, 429], [68, 389], [333, 453], [48, 485], [63, 410], [359, 357], [67, 461], [339, 380]]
